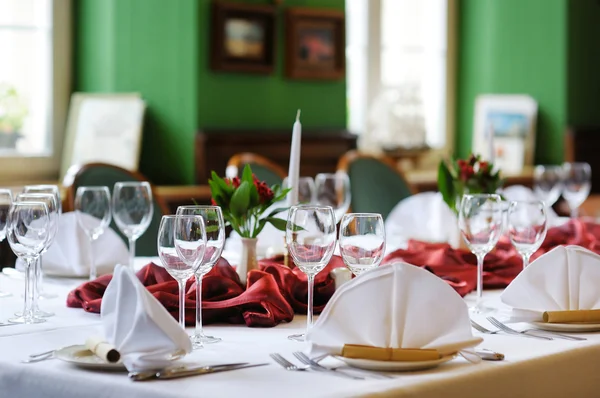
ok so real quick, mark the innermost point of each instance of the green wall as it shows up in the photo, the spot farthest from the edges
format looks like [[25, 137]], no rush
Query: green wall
[[514, 47], [583, 91], [160, 49], [270, 101]]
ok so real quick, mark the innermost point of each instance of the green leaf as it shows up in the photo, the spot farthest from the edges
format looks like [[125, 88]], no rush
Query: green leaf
[[247, 175], [281, 195], [277, 223], [446, 185], [225, 188], [240, 200], [276, 211], [261, 225]]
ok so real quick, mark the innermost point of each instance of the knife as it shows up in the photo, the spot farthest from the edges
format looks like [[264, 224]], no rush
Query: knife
[[184, 372]]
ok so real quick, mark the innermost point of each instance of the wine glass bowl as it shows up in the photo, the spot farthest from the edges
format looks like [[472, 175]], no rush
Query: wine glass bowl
[[480, 222], [577, 185], [306, 189], [93, 213], [333, 189], [362, 241], [5, 205], [527, 227], [132, 208], [311, 238], [548, 183]]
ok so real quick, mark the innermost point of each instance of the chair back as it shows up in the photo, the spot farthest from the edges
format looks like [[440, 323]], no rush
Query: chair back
[[263, 168], [102, 174], [582, 144], [376, 184]]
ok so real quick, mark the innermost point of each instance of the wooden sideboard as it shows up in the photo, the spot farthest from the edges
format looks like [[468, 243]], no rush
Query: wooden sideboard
[[321, 148]]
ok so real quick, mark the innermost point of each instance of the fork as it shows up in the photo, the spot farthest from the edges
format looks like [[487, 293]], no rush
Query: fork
[[319, 368], [481, 329], [533, 330], [287, 365], [509, 330], [312, 362]]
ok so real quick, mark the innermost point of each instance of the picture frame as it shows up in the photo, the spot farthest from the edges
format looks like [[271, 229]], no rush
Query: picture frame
[[105, 128], [243, 38], [315, 44], [504, 130]]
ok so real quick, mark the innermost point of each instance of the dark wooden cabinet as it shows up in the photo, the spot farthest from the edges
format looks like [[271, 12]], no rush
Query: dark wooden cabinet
[[321, 149]]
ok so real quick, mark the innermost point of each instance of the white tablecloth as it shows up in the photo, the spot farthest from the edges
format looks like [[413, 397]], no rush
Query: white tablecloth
[[557, 368]]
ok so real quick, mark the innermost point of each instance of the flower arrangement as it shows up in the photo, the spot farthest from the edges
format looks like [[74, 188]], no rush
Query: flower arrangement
[[459, 176], [244, 202]]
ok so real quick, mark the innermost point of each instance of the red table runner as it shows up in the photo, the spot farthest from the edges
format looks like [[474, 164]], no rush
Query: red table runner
[[275, 292]]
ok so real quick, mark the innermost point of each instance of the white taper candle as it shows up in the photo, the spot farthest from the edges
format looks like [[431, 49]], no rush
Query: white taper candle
[[294, 169]]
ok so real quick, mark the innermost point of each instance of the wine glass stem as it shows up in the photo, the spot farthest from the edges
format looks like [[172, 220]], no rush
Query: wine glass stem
[[479, 278], [526, 260], [198, 330], [574, 212], [181, 283], [309, 317], [39, 277], [131, 252], [29, 289], [93, 272]]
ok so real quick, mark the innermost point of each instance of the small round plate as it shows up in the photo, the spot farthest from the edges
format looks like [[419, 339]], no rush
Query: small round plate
[[79, 355], [567, 327], [394, 366]]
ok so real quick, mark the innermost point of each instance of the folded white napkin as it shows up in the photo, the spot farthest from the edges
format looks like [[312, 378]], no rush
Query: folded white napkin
[[423, 216], [139, 326], [69, 254], [565, 278], [394, 306]]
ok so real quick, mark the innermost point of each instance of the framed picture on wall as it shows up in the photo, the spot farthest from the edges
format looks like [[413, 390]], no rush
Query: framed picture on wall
[[242, 38], [315, 44], [104, 128], [504, 130]]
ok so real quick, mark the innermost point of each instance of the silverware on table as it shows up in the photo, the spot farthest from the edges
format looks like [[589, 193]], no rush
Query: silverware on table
[[315, 362], [482, 329], [509, 330], [287, 365], [39, 358], [489, 355], [531, 331], [320, 368], [178, 372]]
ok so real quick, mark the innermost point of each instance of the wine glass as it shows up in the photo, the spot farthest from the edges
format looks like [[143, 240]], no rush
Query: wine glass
[[333, 190], [167, 252], [132, 208], [50, 200], [92, 209], [527, 227], [577, 185], [39, 272], [28, 228], [189, 237], [215, 241], [548, 183], [306, 189], [5, 203], [480, 224], [310, 236], [362, 241]]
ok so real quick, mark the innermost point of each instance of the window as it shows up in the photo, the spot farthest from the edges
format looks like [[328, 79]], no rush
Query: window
[[397, 72], [34, 86]]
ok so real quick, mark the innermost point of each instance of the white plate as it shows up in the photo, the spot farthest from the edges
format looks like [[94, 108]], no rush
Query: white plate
[[79, 355], [394, 366], [567, 327]]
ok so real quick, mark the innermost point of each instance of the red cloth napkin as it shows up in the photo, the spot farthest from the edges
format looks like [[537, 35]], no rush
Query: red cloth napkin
[[271, 296]]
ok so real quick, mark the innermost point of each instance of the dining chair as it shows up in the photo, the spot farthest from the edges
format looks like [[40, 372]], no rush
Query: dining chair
[[102, 174], [263, 168], [376, 183]]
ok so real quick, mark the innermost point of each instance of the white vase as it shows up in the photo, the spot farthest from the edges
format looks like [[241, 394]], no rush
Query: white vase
[[248, 260]]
